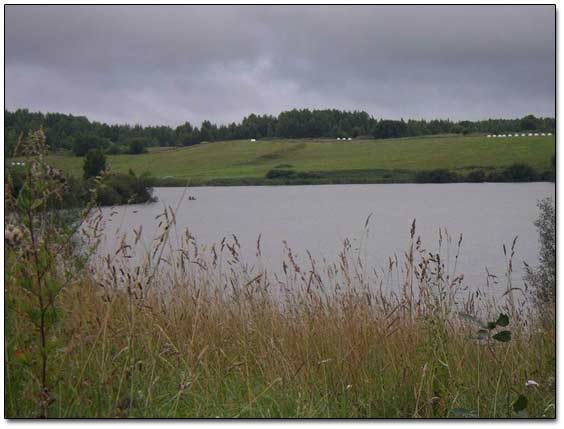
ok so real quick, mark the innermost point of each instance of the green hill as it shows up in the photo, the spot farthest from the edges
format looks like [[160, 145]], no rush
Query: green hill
[[243, 162]]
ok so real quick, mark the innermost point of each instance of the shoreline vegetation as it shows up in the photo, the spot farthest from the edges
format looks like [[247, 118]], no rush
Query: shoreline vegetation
[[517, 173], [192, 330]]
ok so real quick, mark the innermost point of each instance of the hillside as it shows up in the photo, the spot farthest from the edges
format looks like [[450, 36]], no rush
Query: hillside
[[372, 159]]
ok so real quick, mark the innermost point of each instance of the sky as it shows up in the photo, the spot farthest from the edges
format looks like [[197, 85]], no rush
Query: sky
[[171, 64]]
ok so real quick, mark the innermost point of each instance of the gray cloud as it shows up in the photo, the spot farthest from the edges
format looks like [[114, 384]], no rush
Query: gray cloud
[[169, 64]]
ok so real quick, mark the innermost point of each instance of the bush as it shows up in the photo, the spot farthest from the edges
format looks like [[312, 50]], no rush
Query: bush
[[520, 172], [94, 163], [496, 176], [436, 176], [291, 175], [114, 149], [476, 176], [117, 189], [542, 279], [278, 173], [548, 176], [137, 146]]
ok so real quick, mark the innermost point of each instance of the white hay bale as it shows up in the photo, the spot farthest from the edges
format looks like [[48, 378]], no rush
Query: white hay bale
[[536, 134], [543, 134], [349, 138], [253, 140], [549, 134], [338, 138], [489, 136]]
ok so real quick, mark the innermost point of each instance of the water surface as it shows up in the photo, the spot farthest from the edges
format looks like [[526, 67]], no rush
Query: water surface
[[319, 218]]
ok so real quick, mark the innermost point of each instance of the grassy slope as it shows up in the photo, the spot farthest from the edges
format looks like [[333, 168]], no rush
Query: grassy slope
[[245, 159]]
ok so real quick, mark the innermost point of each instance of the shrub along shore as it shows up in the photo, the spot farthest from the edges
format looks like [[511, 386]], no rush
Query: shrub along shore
[[285, 176]]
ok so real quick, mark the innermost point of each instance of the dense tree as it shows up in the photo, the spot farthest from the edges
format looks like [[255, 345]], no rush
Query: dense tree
[[185, 135], [385, 129], [83, 143], [77, 133]]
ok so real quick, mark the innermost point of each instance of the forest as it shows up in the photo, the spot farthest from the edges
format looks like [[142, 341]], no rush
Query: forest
[[79, 134]]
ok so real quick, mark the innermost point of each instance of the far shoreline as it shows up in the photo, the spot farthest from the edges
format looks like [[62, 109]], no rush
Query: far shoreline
[[243, 182]]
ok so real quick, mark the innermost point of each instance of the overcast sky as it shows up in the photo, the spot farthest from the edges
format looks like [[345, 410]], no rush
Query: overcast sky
[[171, 64]]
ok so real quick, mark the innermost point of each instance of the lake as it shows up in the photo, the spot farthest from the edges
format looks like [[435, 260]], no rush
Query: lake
[[320, 218]]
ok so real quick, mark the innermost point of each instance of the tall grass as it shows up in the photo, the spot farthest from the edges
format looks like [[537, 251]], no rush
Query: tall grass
[[186, 330]]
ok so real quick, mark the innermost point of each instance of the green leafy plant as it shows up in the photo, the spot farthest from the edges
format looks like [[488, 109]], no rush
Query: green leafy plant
[[486, 329]]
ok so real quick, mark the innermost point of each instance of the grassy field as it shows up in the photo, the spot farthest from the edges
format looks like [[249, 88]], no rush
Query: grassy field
[[238, 160]]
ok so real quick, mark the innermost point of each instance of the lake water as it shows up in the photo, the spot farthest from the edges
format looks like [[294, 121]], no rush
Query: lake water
[[319, 218]]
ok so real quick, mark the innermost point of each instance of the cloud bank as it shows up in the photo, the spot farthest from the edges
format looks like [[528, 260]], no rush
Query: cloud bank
[[171, 64]]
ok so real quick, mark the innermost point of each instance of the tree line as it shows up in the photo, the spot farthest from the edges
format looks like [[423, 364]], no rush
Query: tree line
[[79, 135]]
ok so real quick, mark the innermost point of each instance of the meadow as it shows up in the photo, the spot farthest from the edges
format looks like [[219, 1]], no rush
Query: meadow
[[369, 160]]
